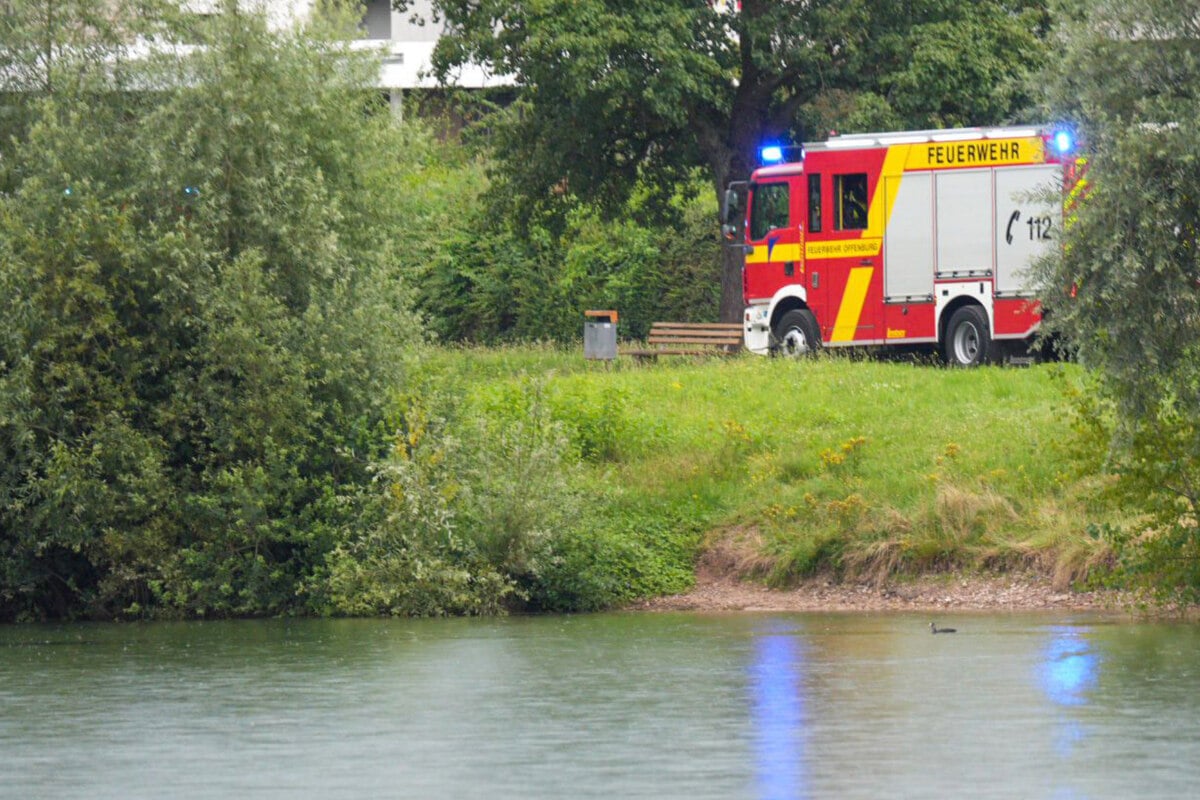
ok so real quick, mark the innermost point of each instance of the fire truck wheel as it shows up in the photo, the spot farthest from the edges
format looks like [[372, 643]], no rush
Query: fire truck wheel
[[797, 334], [967, 341]]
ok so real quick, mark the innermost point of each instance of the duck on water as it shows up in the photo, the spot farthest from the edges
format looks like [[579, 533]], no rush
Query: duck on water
[[935, 629]]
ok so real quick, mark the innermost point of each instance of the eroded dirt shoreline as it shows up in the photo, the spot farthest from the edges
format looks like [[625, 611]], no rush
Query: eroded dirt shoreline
[[1023, 592]]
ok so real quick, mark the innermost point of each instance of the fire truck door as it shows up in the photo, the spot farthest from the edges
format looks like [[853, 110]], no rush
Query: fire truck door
[[816, 231], [774, 233], [844, 262]]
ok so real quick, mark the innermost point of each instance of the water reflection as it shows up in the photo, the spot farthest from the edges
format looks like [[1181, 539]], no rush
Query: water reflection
[[638, 706], [1068, 673], [777, 683], [1069, 667]]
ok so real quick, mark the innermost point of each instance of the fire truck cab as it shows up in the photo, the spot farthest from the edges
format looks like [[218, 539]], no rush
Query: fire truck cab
[[920, 237]]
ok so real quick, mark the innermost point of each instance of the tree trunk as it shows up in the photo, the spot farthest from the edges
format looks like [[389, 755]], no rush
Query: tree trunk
[[732, 261], [730, 163]]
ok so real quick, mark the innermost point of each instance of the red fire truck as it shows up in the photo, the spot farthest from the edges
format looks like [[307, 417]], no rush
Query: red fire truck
[[908, 238]]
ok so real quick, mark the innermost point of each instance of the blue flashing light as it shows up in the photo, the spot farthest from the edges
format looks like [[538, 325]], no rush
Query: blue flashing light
[[1064, 142], [771, 154]]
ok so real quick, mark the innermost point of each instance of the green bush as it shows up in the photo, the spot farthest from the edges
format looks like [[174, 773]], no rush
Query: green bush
[[205, 308], [596, 421], [1121, 290], [409, 553], [521, 493], [587, 571], [466, 512], [629, 547], [494, 282], [691, 265]]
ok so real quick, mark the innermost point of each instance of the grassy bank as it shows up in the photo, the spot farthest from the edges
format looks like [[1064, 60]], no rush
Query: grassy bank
[[860, 468]]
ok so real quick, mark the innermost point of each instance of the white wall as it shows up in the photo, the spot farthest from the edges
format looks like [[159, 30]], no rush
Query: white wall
[[280, 13], [409, 44]]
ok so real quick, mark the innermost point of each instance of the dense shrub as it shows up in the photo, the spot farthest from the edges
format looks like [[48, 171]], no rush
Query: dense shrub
[[409, 553], [628, 549], [205, 308], [1122, 288], [469, 510], [495, 282]]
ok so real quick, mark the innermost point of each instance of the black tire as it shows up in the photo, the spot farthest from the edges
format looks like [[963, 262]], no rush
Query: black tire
[[797, 334], [967, 342]]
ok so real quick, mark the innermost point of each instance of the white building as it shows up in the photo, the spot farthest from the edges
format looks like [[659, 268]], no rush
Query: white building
[[407, 39], [410, 37]]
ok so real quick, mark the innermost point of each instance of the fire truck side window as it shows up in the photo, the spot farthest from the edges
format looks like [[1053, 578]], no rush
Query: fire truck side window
[[850, 191], [814, 203], [770, 209]]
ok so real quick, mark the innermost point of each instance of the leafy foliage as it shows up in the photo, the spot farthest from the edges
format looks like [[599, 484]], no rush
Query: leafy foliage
[[1124, 291], [496, 282], [631, 548], [473, 505], [204, 306], [409, 554], [627, 97]]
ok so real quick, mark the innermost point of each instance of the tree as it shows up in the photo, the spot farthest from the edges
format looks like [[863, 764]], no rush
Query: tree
[[64, 47], [1125, 291], [205, 316], [39, 38], [621, 95]]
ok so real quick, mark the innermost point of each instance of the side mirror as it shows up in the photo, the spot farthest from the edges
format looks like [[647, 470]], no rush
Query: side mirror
[[733, 205], [729, 207]]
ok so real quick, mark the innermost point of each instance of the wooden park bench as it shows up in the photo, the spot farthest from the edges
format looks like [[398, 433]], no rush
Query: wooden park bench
[[690, 339]]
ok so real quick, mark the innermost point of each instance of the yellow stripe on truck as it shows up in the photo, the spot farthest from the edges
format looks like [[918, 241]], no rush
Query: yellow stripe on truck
[[780, 252], [846, 324], [881, 204]]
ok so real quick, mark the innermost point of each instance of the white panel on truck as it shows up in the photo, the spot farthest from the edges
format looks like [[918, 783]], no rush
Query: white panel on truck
[[964, 221], [1027, 221], [908, 240]]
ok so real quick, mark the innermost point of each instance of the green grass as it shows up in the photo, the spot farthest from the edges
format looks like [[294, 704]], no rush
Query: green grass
[[861, 468]]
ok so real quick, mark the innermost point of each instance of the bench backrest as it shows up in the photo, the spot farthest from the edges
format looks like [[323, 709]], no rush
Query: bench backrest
[[717, 334]]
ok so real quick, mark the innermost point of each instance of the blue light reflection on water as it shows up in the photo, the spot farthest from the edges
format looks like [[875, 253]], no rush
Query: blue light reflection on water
[[778, 707], [1069, 667], [1068, 672], [639, 706]]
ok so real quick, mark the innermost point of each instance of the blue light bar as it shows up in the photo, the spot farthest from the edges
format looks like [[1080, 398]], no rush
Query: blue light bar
[[1063, 141], [771, 154]]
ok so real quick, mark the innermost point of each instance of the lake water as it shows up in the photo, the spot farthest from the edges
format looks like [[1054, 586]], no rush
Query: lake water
[[613, 705]]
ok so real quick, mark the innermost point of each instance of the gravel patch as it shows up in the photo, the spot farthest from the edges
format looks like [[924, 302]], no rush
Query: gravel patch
[[938, 592]]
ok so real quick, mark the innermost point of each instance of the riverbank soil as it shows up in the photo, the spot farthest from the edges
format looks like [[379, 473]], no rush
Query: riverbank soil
[[932, 593], [719, 588]]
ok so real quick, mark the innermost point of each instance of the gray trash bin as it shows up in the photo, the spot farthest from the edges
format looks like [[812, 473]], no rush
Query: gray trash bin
[[600, 335]]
